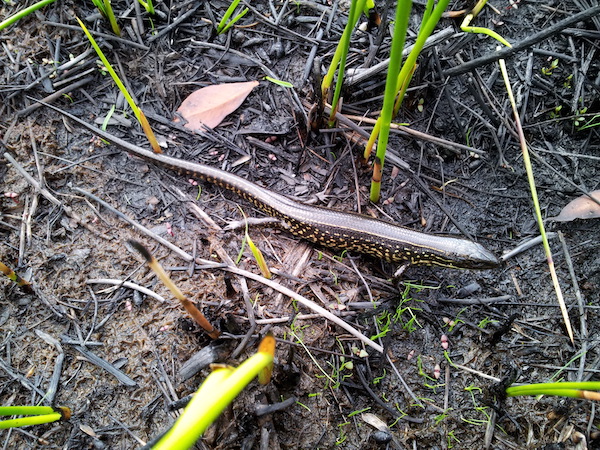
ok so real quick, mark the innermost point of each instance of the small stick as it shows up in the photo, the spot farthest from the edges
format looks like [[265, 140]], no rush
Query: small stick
[[60, 358], [186, 256], [128, 285], [525, 43], [185, 302]]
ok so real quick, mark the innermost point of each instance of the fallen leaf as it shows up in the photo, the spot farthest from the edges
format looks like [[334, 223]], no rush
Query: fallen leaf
[[581, 208], [88, 430], [211, 104]]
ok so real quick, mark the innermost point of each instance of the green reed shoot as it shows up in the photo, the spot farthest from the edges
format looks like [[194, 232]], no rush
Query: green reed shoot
[[401, 25], [39, 415], [341, 52], [355, 11], [573, 389], [148, 6], [397, 81], [107, 12]]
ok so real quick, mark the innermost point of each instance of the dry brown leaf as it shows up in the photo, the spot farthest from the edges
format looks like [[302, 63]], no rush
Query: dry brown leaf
[[581, 208], [210, 105]]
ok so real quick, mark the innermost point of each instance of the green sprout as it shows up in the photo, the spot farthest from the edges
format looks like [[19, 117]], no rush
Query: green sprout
[[451, 439], [556, 112], [454, 322], [281, 83], [593, 122], [378, 380], [412, 324], [299, 403], [338, 369], [359, 411], [218, 390], [465, 26], [548, 70], [383, 321], [225, 23], [107, 12], [342, 436], [579, 117], [441, 417], [422, 370], [485, 322], [148, 6]]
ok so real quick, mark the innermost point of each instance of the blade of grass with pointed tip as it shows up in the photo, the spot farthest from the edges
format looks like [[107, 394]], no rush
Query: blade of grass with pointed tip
[[259, 257], [136, 110], [223, 25], [218, 390], [536, 203]]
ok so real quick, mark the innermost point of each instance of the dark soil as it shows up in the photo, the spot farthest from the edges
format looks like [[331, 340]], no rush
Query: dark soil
[[500, 325]]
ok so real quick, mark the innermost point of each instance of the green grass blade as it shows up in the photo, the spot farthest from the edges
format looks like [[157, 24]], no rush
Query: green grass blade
[[355, 11], [535, 199], [218, 391], [148, 6], [110, 15], [136, 110], [226, 16], [234, 20], [12, 19], [341, 48], [411, 59]]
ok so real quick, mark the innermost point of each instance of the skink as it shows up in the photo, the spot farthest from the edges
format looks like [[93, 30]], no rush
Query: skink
[[334, 229]]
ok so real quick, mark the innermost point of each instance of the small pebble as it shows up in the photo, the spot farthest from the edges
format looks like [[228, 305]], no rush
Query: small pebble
[[382, 437]]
